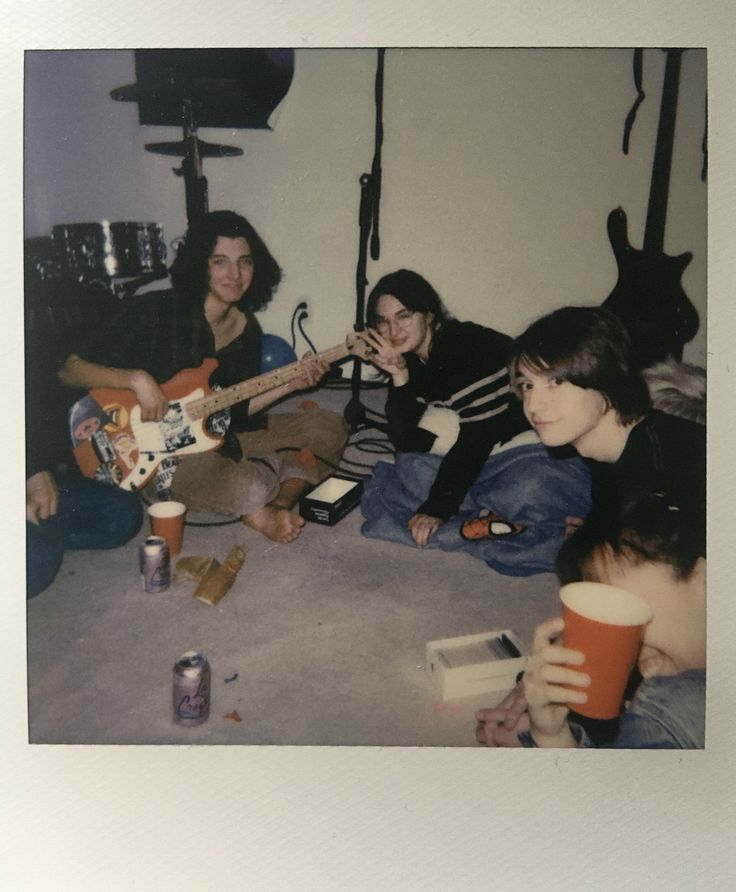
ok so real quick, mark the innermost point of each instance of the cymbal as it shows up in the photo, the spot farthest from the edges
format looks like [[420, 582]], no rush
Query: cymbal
[[194, 88], [206, 149]]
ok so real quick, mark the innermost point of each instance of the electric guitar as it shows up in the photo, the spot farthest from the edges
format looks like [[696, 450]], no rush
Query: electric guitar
[[648, 296], [112, 444]]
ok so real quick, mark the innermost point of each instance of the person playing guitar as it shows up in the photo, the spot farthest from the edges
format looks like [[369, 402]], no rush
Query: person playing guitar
[[222, 275]]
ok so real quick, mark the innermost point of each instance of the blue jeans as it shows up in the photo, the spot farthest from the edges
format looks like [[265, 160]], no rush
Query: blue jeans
[[91, 515], [525, 484]]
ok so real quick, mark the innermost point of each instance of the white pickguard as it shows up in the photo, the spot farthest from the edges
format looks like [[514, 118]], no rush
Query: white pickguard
[[176, 432]]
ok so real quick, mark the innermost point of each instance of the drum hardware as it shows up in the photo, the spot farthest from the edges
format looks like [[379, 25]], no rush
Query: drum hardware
[[129, 287], [199, 90], [118, 250], [40, 260], [206, 149], [193, 94]]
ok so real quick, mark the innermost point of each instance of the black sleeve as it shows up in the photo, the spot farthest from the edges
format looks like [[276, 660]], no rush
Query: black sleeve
[[155, 332], [403, 413], [459, 470], [467, 368], [687, 477]]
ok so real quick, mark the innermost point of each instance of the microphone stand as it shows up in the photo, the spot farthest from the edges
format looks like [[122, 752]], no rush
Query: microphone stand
[[370, 196]]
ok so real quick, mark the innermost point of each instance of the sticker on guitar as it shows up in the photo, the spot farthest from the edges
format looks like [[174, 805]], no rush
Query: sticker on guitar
[[112, 444]]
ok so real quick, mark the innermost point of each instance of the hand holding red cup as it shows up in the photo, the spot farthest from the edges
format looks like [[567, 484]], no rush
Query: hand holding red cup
[[606, 624]]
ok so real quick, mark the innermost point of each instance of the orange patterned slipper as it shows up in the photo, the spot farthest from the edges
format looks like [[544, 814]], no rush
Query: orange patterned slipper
[[306, 457], [489, 526]]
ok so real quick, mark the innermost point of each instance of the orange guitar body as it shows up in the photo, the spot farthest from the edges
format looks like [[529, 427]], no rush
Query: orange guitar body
[[112, 444]]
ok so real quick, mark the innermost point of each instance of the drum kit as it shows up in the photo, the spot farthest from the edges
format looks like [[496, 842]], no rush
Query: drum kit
[[101, 252], [119, 257]]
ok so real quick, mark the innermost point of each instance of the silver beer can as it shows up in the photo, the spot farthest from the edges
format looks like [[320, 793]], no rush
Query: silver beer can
[[191, 689], [153, 556]]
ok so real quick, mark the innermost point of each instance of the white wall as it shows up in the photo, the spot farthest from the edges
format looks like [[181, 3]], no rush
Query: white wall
[[500, 167]]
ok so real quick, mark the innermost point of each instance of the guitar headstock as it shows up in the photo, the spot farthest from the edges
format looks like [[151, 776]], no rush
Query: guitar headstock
[[358, 347]]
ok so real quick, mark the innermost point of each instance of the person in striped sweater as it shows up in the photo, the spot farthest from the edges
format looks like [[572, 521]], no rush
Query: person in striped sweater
[[449, 394]]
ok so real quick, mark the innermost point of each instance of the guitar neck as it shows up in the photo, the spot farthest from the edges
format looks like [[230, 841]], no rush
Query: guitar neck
[[657, 208], [245, 390]]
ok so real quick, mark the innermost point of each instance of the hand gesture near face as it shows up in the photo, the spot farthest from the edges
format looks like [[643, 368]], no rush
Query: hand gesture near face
[[546, 697], [386, 357]]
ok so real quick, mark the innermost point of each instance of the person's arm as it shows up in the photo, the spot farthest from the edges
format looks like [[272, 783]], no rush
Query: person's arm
[[459, 469], [403, 408], [544, 678], [474, 358], [78, 372], [312, 374]]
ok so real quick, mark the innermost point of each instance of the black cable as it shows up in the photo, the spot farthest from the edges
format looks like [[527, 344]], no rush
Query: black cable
[[300, 307], [704, 144], [302, 316], [640, 97], [378, 447]]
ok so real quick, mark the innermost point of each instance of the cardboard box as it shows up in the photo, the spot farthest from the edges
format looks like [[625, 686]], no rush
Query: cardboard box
[[475, 664], [331, 500]]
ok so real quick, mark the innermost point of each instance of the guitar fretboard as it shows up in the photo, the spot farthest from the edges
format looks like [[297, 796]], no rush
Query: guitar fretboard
[[245, 390]]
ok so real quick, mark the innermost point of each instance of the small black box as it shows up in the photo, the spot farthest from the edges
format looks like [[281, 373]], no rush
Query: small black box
[[331, 500]]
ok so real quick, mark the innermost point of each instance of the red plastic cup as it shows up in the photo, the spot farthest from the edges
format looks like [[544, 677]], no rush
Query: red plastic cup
[[167, 520], [606, 624]]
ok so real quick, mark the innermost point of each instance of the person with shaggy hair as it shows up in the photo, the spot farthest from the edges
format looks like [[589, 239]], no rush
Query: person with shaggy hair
[[648, 547], [222, 275], [469, 473], [575, 374]]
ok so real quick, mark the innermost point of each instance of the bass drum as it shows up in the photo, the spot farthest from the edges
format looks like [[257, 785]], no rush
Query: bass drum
[[116, 249]]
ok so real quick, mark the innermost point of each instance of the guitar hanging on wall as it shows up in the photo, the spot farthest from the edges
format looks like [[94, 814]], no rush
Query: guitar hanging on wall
[[648, 296]]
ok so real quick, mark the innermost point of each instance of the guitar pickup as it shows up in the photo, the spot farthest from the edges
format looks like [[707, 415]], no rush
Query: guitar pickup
[[103, 447]]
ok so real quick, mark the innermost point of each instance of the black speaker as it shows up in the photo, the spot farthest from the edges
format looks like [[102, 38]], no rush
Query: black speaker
[[235, 88]]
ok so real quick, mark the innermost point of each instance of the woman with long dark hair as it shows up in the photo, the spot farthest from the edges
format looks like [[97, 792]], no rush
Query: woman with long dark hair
[[469, 472], [222, 275]]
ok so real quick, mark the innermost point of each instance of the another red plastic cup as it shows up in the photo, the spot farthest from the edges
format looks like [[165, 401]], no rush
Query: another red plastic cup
[[167, 520], [606, 624]]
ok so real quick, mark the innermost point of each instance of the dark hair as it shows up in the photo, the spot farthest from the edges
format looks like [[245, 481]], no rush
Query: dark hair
[[410, 289], [589, 347], [640, 527], [190, 271]]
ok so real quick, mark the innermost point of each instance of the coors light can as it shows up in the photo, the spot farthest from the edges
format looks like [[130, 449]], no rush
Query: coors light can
[[191, 689], [155, 566]]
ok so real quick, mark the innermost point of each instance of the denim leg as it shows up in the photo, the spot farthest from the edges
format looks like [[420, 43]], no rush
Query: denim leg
[[96, 515], [44, 554]]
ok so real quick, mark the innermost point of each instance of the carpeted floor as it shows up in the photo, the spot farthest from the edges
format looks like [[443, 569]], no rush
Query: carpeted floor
[[326, 636]]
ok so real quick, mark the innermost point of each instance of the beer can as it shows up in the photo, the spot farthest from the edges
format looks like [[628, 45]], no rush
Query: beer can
[[153, 556], [191, 689]]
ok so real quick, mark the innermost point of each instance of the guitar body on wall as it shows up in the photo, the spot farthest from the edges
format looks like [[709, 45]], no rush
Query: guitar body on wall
[[112, 444], [648, 296]]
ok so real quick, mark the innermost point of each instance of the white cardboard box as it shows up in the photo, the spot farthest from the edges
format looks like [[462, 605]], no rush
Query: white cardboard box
[[475, 664]]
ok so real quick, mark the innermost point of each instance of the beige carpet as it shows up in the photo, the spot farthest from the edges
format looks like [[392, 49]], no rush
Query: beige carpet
[[327, 636]]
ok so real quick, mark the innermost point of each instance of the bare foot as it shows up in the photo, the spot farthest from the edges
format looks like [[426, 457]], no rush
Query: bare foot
[[275, 522]]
